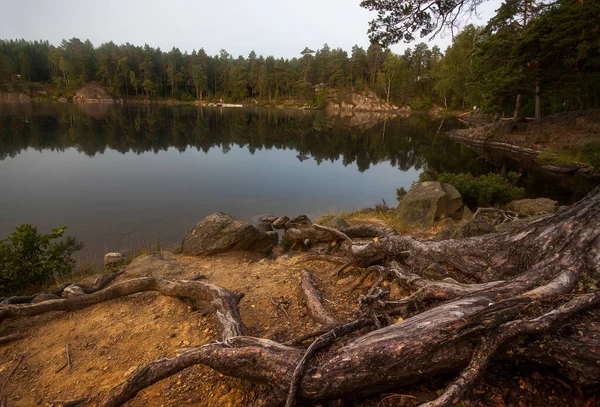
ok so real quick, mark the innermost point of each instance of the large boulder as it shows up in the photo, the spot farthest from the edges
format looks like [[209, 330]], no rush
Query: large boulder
[[533, 206], [427, 202], [219, 233]]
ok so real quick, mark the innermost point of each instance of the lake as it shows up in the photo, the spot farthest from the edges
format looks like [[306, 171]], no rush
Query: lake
[[124, 177]]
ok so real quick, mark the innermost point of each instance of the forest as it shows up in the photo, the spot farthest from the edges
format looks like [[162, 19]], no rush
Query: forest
[[532, 58]]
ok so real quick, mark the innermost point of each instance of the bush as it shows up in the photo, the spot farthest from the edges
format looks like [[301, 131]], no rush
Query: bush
[[400, 192], [486, 190], [28, 258]]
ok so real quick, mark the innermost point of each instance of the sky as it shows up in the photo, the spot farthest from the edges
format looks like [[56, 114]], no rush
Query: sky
[[281, 28]]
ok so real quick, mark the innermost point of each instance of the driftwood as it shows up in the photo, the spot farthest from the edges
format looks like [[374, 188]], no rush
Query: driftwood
[[459, 325]]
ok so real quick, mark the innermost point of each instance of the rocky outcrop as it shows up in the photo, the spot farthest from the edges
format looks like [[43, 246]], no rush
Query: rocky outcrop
[[9, 97], [427, 202], [93, 92], [533, 206], [219, 233], [362, 102]]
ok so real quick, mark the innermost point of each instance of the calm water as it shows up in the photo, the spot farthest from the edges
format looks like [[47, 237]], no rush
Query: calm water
[[121, 177]]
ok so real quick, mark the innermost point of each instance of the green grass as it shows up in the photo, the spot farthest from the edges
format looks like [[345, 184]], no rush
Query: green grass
[[588, 153]]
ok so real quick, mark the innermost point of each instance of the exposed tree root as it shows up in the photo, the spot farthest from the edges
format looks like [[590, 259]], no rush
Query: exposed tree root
[[313, 301], [222, 300], [502, 334], [320, 343], [510, 282]]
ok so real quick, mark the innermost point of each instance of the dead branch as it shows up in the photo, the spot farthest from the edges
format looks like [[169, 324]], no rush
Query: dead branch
[[333, 231], [68, 356]]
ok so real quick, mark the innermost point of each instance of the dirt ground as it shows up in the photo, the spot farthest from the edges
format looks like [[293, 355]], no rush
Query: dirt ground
[[108, 341]]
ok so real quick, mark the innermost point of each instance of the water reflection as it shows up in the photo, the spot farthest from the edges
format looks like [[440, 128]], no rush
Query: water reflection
[[364, 139], [124, 176]]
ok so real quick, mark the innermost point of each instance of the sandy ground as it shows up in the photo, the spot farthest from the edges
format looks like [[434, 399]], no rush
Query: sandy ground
[[108, 341]]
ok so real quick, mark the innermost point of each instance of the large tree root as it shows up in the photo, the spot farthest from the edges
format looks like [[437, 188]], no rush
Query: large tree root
[[502, 334], [224, 302], [504, 286], [313, 301]]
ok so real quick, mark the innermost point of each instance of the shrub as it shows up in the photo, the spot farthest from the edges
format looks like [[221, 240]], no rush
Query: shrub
[[485, 190], [28, 258], [400, 192]]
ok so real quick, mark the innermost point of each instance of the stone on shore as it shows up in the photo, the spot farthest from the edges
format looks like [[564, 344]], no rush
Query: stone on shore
[[428, 202], [299, 222], [220, 233], [279, 223], [112, 258]]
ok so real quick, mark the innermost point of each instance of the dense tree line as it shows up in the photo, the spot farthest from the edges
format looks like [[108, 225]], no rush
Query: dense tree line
[[532, 57]]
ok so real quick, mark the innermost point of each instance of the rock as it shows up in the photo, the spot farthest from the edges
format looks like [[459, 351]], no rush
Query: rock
[[162, 264], [62, 99], [337, 223], [427, 202], [264, 227], [534, 206], [474, 227], [445, 233], [279, 223], [220, 233], [93, 92], [41, 297], [298, 222], [268, 218], [72, 291], [112, 258], [274, 236]]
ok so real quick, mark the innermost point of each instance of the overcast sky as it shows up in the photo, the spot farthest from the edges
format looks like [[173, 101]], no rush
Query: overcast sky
[[281, 28]]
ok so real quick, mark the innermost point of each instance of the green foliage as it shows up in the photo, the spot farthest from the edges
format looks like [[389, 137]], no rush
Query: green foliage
[[589, 153], [28, 258], [485, 190], [421, 104], [400, 192], [321, 99]]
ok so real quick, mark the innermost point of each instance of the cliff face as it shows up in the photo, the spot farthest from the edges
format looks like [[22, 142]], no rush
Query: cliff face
[[360, 101], [93, 92]]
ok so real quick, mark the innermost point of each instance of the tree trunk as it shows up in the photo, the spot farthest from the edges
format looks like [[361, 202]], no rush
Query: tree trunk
[[450, 324], [538, 100], [517, 113]]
